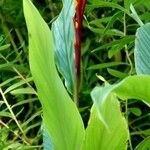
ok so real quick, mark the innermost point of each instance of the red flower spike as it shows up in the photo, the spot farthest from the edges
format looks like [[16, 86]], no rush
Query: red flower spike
[[79, 6]]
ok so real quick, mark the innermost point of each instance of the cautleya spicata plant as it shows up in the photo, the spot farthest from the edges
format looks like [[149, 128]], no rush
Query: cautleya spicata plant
[[63, 127]]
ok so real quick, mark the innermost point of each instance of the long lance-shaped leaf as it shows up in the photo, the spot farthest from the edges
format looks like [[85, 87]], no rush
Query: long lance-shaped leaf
[[142, 50], [64, 36], [60, 115], [106, 123]]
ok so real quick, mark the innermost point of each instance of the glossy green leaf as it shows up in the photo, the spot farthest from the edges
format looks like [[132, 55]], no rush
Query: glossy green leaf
[[63, 33], [106, 123], [60, 115], [142, 48], [107, 128], [134, 87], [144, 145]]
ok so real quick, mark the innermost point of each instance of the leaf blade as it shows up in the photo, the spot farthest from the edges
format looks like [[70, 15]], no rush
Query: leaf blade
[[142, 48], [64, 36], [65, 129], [109, 133]]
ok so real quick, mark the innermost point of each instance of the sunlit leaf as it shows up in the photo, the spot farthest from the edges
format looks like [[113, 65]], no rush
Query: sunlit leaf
[[134, 87], [60, 115], [23, 91], [107, 128], [106, 123]]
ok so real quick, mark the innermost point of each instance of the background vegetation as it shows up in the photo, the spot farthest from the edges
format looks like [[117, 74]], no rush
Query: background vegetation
[[107, 50]]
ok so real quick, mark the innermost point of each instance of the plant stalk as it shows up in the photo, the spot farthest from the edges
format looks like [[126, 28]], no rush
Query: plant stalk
[[78, 19]]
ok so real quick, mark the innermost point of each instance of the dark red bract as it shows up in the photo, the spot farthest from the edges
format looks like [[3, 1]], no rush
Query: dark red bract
[[80, 6]]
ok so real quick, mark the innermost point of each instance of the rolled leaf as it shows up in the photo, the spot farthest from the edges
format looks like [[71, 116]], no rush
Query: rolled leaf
[[47, 143], [61, 118], [64, 36], [142, 50]]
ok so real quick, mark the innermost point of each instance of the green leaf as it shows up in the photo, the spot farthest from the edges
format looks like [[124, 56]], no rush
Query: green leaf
[[144, 145], [18, 84], [142, 48], [46, 140], [127, 4], [134, 87], [105, 65], [109, 32], [5, 114], [136, 111], [27, 90], [123, 41], [60, 115], [106, 125], [8, 81], [117, 73], [141, 132], [63, 33], [114, 18], [4, 47], [135, 16], [99, 21], [97, 4]]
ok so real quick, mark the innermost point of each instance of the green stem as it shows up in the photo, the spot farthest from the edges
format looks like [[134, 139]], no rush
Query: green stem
[[126, 112], [130, 62], [126, 48]]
